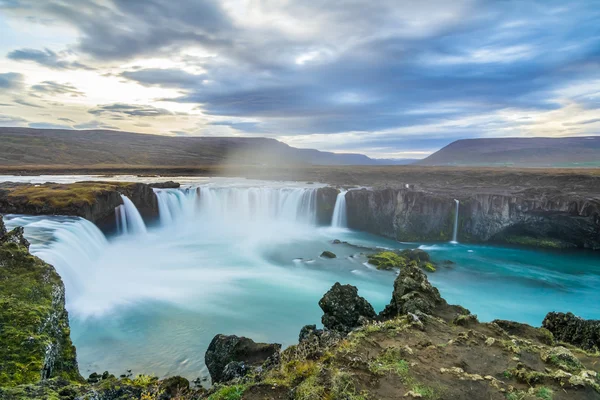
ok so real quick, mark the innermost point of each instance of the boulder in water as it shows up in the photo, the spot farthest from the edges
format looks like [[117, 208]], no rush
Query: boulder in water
[[344, 309], [328, 254], [244, 352], [574, 330], [412, 293]]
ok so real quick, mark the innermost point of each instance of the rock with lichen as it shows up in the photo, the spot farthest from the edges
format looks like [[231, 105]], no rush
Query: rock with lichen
[[412, 293], [574, 330], [344, 309], [245, 353]]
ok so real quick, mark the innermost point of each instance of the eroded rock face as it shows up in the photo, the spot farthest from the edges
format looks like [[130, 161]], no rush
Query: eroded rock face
[[527, 217], [228, 357], [412, 293], [574, 330], [344, 309], [325, 204], [542, 335], [34, 325]]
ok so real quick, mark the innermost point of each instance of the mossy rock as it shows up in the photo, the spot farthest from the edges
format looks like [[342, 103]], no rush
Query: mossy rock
[[387, 260], [328, 254], [34, 325]]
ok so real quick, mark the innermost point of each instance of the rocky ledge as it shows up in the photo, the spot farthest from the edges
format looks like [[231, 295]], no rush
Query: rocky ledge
[[94, 201], [418, 347], [541, 218]]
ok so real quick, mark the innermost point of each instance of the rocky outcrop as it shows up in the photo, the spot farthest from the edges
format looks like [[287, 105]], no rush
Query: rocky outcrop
[[530, 217], [325, 204], [574, 330], [412, 294], [34, 325], [94, 201], [343, 309], [228, 357], [165, 185]]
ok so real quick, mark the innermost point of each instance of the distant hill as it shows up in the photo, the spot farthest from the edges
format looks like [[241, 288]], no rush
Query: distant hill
[[519, 152], [57, 147]]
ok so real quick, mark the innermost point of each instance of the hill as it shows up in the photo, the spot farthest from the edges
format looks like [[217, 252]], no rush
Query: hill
[[54, 147], [520, 152]]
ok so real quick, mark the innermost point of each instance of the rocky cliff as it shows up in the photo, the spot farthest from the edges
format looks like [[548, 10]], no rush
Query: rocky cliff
[[34, 325], [95, 201], [529, 217]]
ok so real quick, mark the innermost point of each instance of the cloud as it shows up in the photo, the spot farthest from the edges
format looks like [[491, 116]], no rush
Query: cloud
[[340, 75], [66, 120], [54, 88], [95, 125], [11, 120], [27, 103], [121, 110], [47, 125], [11, 80], [163, 77], [46, 57]]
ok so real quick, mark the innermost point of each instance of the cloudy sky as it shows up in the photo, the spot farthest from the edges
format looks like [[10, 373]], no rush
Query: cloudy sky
[[388, 78]]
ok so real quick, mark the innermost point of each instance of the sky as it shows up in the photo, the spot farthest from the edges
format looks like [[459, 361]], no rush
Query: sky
[[386, 78]]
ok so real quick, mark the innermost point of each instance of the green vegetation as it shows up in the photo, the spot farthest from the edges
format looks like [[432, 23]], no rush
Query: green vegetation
[[234, 392], [387, 260], [530, 241], [32, 320], [544, 393], [60, 196], [389, 361]]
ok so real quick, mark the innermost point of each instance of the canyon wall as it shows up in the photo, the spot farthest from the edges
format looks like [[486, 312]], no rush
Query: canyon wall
[[529, 217]]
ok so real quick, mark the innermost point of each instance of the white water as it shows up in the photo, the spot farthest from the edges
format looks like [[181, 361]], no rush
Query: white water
[[455, 231], [340, 218], [128, 218]]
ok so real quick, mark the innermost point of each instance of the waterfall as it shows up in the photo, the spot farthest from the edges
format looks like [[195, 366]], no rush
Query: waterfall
[[455, 232], [339, 219], [128, 218], [235, 205], [74, 247]]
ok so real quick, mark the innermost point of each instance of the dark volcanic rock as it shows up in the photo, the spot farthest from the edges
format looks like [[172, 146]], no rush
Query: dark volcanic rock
[[325, 204], [547, 218], [2, 227], [165, 185], [526, 331], [344, 309], [15, 236], [223, 350], [412, 293], [328, 254], [574, 330]]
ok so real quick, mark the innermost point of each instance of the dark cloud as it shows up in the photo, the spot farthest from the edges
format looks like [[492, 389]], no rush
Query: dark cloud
[[27, 103], [11, 120], [66, 120], [121, 111], [46, 57], [11, 80], [163, 77], [54, 88]]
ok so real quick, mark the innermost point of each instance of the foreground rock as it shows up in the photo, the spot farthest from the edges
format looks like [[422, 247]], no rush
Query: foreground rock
[[574, 330], [387, 260], [34, 325], [230, 357], [344, 309]]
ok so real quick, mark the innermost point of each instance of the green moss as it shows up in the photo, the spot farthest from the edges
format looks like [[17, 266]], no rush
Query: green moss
[[64, 195], [234, 392], [428, 266], [309, 389], [544, 393], [387, 260], [389, 360], [343, 387], [529, 241], [32, 319]]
